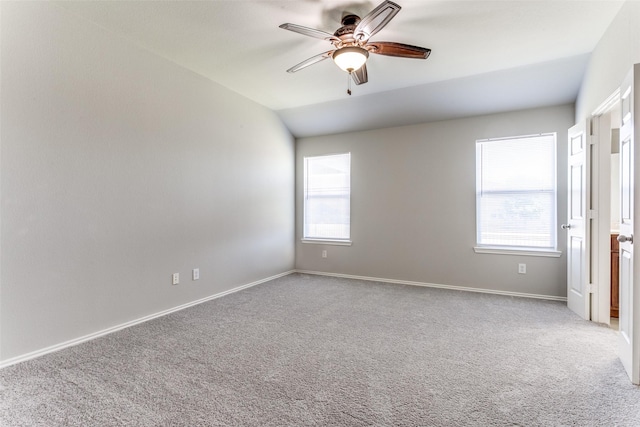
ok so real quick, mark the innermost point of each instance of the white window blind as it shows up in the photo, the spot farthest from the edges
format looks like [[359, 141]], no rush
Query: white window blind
[[516, 192], [327, 197]]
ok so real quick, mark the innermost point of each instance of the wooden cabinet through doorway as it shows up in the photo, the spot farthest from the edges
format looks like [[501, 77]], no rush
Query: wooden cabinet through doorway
[[615, 278]]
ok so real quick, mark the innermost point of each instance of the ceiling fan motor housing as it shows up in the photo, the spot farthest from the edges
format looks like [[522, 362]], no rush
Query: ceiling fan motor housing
[[349, 24]]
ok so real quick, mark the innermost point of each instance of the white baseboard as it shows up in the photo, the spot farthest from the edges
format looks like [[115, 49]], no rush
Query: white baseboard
[[85, 338], [435, 285]]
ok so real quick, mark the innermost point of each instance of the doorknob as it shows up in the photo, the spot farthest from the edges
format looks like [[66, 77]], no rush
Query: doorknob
[[565, 226], [623, 239]]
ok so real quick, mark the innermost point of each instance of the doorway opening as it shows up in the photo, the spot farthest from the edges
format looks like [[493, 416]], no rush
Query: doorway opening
[[605, 124]]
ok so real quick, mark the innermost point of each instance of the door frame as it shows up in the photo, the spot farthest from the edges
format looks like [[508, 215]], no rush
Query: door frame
[[601, 178], [602, 120]]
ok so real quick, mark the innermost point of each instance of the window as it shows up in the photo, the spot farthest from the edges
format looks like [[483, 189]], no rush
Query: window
[[516, 192], [327, 198]]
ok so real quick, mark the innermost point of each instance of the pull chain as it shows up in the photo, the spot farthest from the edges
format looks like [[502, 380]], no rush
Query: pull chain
[[349, 83]]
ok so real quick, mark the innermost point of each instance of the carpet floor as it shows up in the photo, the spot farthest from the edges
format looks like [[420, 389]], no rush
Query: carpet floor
[[307, 350]]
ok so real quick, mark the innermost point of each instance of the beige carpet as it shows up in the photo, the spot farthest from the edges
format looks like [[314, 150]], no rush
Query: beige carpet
[[316, 351]]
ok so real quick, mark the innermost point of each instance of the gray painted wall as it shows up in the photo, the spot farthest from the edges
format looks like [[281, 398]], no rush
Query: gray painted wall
[[611, 60], [119, 168], [413, 204]]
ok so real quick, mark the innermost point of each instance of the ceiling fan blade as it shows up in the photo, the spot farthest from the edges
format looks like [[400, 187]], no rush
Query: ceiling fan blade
[[398, 49], [376, 20], [360, 76], [310, 32], [311, 61]]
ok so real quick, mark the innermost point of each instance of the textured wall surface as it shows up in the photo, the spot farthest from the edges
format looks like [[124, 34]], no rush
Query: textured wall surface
[[119, 168], [611, 60], [413, 204]]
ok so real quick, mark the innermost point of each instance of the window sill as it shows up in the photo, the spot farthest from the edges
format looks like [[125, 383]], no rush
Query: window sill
[[327, 242], [514, 251]]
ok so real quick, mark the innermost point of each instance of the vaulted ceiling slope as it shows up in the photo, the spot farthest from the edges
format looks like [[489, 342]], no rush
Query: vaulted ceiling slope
[[487, 56]]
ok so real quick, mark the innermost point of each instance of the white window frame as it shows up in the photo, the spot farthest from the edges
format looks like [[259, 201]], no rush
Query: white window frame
[[315, 239], [550, 251]]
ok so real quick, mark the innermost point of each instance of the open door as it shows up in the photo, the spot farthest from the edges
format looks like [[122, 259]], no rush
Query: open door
[[629, 342], [577, 226]]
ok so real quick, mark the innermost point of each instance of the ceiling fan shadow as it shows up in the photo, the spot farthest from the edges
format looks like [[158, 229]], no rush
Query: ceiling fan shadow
[[332, 17]]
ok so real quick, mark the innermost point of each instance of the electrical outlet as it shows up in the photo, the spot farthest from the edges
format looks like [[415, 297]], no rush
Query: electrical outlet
[[522, 268], [196, 273], [324, 254], [175, 278]]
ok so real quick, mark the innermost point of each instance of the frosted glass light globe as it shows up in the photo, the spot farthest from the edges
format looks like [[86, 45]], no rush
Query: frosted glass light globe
[[350, 58]]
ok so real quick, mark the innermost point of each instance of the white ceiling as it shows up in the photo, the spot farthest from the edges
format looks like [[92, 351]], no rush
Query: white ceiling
[[487, 56]]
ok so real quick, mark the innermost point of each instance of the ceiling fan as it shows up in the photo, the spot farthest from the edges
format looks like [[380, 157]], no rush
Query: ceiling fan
[[351, 42]]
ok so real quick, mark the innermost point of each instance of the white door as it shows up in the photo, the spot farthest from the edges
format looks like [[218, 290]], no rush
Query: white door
[[578, 298], [628, 342]]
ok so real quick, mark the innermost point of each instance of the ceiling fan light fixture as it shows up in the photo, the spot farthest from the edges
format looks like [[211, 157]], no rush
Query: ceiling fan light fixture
[[350, 58]]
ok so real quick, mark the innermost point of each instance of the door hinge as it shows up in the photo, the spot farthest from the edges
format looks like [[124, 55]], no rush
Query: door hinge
[[591, 214], [591, 288]]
